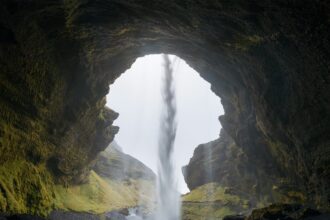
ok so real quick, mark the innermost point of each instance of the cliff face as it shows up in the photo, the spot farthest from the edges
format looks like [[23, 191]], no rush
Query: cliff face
[[224, 163], [267, 60]]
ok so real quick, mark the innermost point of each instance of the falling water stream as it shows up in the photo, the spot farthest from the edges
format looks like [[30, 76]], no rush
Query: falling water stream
[[168, 198]]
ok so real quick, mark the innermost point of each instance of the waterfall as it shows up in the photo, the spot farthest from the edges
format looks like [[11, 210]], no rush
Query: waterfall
[[168, 198]]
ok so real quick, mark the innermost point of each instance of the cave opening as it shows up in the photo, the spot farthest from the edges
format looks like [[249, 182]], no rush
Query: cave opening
[[136, 96]]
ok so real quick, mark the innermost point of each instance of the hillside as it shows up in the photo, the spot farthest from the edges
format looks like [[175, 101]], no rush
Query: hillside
[[117, 181]]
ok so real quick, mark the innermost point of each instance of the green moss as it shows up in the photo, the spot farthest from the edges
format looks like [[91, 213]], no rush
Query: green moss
[[17, 144], [212, 201], [206, 211], [25, 188], [224, 211], [211, 192], [100, 195], [28, 188]]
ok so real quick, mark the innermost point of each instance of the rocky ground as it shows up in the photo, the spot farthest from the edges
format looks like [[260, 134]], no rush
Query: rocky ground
[[273, 212]]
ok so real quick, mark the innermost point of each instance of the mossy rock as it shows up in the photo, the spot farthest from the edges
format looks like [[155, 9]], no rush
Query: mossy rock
[[285, 211], [26, 188], [212, 201]]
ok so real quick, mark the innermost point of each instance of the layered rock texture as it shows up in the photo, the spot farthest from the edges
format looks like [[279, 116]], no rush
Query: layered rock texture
[[223, 162], [267, 60]]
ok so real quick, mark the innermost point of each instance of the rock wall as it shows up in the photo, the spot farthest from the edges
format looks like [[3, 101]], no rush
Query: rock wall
[[223, 162], [267, 60]]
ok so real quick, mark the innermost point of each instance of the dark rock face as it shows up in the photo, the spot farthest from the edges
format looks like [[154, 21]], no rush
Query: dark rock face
[[285, 211], [234, 217], [61, 215], [267, 60], [218, 161], [20, 217], [115, 216], [56, 215], [69, 215], [223, 162], [282, 212]]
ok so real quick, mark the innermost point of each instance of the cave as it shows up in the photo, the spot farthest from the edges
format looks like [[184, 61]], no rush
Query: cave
[[266, 60]]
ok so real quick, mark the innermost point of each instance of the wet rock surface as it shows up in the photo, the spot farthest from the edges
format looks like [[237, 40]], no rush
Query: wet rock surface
[[115, 216], [59, 215], [267, 60], [273, 212], [234, 217], [20, 217], [223, 162], [67, 215], [286, 211]]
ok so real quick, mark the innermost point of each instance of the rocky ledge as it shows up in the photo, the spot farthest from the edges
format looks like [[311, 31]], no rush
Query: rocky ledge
[[228, 166], [282, 212]]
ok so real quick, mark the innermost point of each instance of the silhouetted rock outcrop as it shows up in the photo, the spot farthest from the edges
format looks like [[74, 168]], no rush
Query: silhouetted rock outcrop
[[223, 162]]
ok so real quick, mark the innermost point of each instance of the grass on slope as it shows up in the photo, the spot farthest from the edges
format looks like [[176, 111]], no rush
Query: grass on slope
[[198, 211], [211, 192], [211, 201], [99, 195]]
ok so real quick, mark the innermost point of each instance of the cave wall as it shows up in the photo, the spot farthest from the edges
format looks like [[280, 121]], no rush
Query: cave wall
[[267, 60], [260, 183]]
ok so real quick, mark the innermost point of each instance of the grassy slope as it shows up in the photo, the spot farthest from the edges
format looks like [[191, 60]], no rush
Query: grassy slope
[[29, 188], [100, 195], [211, 201]]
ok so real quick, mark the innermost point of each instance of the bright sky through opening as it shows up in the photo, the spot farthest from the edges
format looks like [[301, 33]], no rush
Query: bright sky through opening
[[136, 96]]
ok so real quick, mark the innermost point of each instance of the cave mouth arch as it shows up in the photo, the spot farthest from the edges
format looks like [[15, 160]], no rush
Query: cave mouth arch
[[247, 63], [135, 95]]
